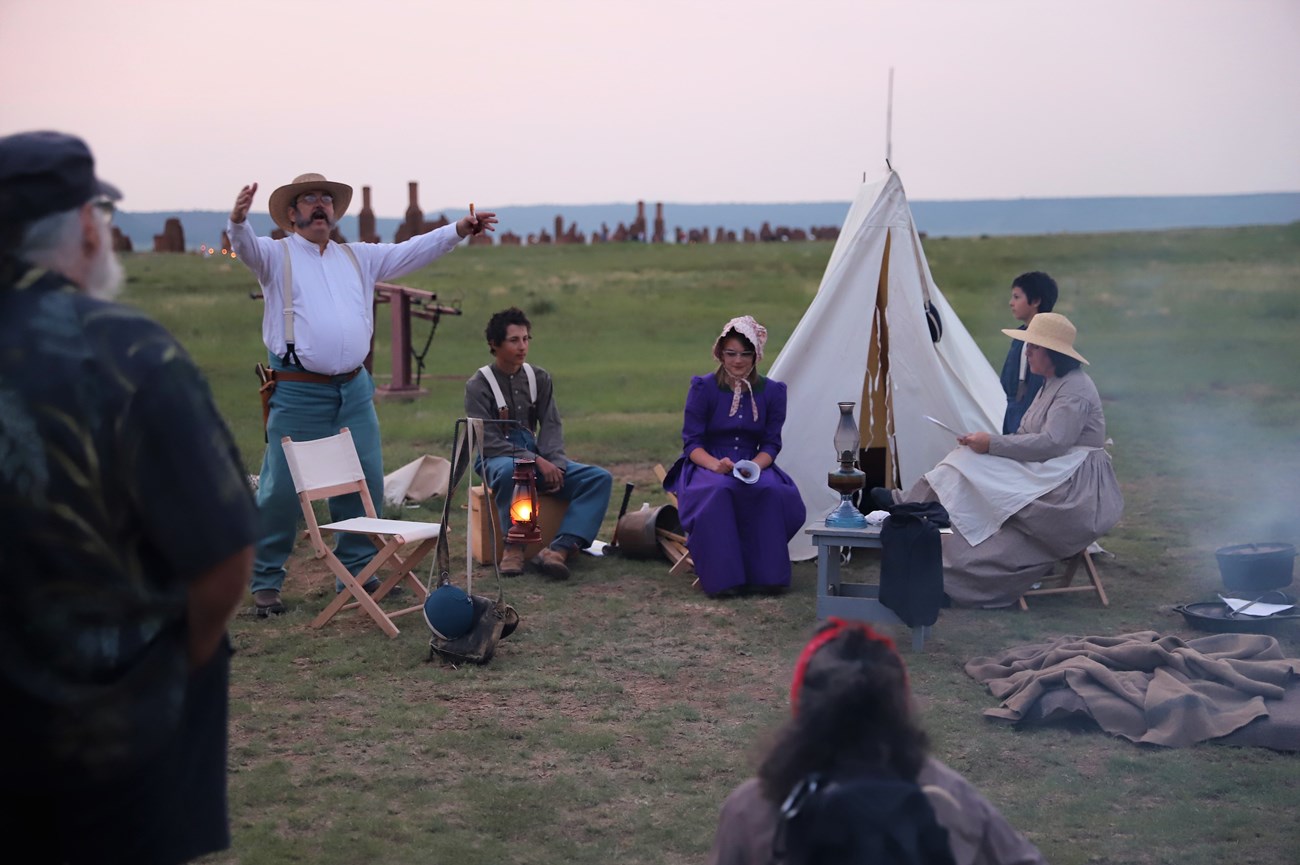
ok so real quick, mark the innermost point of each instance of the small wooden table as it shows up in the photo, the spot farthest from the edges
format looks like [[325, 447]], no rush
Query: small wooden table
[[851, 600]]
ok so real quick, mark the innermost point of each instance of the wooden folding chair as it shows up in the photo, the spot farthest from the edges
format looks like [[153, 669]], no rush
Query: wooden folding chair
[[674, 546], [329, 467], [1062, 584]]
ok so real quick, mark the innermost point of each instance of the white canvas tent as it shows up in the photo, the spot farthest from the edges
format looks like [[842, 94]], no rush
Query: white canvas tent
[[865, 338]]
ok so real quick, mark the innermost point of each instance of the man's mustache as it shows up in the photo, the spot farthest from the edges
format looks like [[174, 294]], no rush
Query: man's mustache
[[318, 213]]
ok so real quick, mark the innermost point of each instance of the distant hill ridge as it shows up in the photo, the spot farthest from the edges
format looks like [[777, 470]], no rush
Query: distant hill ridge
[[1024, 216]]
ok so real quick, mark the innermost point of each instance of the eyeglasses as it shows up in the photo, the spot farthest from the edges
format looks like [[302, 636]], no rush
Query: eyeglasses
[[105, 206], [313, 198], [735, 355]]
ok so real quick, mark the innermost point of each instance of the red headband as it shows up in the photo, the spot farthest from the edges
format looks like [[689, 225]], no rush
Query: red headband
[[835, 627]]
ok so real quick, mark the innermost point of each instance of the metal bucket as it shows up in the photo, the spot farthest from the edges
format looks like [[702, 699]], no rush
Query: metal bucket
[[637, 531], [1256, 567]]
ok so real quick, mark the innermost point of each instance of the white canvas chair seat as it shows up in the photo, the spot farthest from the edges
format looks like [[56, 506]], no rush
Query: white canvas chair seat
[[1064, 583], [405, 531], [329, 467]]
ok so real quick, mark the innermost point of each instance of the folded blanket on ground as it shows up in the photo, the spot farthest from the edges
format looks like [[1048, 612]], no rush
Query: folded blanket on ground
[[1142, 686]]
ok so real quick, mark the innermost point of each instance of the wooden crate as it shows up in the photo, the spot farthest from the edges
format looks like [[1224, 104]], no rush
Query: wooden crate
[[550, 512]]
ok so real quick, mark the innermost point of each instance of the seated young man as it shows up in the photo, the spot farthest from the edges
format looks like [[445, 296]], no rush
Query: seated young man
[[510, 389]]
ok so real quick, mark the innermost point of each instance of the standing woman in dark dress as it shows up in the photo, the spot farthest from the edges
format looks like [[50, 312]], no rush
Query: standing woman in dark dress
[[1031, 293], [738, 526]]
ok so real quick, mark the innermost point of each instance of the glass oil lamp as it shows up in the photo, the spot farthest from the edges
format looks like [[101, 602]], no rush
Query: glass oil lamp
[[848, 479]]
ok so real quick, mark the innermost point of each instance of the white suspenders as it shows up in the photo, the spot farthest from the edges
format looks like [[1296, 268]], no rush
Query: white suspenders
[[286, 290], [503, 411]]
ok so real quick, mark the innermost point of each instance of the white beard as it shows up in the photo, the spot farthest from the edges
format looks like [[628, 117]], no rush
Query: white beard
[[106, 275]]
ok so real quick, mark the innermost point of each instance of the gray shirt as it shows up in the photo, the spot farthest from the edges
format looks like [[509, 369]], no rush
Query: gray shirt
[[542, 419]]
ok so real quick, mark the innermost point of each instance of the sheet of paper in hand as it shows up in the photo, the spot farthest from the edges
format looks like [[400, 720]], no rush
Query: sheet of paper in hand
[[935, 420], [747, 471]]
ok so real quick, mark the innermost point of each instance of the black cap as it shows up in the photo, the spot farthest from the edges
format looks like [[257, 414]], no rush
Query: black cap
[[46, 172]]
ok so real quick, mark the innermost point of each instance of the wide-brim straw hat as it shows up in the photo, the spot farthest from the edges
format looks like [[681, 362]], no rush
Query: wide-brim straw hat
[[1050, 330], [283, 197]]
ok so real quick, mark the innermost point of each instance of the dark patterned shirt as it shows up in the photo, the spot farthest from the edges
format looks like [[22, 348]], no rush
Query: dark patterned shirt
[[119, 483]]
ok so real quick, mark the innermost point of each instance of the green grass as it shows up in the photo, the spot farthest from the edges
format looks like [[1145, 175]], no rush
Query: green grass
[[612, 724]]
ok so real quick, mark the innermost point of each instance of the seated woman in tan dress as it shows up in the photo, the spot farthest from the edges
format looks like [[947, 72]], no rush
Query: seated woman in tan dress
[[1020, 503]]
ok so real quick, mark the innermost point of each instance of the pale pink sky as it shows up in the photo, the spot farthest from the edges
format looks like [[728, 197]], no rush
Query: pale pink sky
[[579, 101]]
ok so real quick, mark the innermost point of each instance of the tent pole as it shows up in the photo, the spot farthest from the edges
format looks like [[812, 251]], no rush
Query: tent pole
[[889, 121]]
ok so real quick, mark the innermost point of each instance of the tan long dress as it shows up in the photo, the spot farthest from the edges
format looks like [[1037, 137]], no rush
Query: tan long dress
[[1066, 413]]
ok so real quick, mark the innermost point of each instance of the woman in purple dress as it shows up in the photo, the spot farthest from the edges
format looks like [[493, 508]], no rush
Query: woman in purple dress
[[738, 508]]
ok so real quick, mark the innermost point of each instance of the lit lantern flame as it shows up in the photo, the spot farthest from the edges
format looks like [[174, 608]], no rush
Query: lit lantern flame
[[523, 505]]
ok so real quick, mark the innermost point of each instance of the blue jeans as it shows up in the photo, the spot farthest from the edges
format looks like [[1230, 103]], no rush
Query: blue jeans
[[304, 411], [586, 489]]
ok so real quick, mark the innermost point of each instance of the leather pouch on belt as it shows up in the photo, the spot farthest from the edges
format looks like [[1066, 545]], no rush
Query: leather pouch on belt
[[267, 378]]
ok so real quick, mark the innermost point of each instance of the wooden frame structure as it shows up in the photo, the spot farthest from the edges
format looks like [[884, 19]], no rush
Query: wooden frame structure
[[1063, 584]]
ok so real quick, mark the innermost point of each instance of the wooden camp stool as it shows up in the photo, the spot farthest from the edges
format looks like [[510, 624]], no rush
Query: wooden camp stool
[[482, 508], [674, 546], [1062, 584]]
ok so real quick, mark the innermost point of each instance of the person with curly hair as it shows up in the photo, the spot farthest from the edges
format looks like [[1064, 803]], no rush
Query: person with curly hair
[[849, 778]]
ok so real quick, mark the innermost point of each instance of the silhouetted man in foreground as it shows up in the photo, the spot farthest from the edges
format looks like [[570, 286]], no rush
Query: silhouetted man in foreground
[[126, 529]]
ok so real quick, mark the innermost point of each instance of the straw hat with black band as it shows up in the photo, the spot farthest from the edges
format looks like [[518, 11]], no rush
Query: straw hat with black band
[[284, 197], [1050, 330]]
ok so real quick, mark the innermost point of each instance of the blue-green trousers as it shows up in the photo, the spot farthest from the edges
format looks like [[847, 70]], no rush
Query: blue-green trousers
[[304, 411]]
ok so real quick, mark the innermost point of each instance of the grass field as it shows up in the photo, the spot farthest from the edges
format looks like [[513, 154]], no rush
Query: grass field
[[610, 727]]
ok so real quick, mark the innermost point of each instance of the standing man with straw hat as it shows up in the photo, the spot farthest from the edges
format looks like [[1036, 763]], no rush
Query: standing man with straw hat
[[317, 326]]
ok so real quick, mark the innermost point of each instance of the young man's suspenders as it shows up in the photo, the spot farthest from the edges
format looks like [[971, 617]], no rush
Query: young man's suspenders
[[503, 412], [286, 289]]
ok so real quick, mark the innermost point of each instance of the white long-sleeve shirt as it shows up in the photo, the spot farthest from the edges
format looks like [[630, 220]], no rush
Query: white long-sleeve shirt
[[333, 313]]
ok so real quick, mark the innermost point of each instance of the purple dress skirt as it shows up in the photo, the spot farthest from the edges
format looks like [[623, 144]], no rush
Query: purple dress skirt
[[737, 532]]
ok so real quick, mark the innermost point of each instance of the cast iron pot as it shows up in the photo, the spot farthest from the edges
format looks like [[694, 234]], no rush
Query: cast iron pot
[[1256, 567]]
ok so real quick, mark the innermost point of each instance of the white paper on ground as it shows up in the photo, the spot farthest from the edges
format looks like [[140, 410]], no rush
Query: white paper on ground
[[597, 548], [1255, 609]]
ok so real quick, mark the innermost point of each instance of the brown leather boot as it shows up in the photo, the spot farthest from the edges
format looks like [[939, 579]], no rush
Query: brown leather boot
[[267, 603], [512, 561], [552, 563]]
